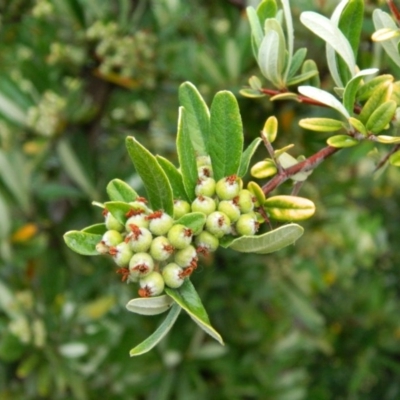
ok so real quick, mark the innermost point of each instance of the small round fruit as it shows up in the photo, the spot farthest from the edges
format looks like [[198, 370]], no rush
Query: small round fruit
[[172, 274], [159, 222], [138, 220], [180, 236], [141, 264], [139, 239], [204, 204], [228, 188], [112, 223], [186, 257], [205, 187], [245, 201], [112, 238], [121, 254], [207, 241], [161, 248], [229, 208], [218, 224], [181, 208], [205, 172], [151, 285], [247, 224]]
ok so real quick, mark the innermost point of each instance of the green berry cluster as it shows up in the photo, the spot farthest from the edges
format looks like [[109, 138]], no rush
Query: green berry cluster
[[153, 249]]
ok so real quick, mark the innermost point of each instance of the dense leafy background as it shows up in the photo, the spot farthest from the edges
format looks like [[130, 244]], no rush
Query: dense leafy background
[[319, 320]]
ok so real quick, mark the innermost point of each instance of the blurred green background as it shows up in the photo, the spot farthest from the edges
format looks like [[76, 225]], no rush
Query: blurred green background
[[319, 320]]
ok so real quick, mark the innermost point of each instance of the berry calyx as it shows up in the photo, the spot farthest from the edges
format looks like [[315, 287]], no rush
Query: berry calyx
[[218, 224], [204, 204], [151, 285], [159, 222], [140, 265], [139, 238]]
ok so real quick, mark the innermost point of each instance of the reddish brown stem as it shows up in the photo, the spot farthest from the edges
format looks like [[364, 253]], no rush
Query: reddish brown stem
[[303, 166], [386, 158], [395, 11]]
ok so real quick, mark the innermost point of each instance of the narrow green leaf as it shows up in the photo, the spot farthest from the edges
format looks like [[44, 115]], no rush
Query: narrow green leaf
[[197, 115], [289, 35], [324, 98], [394, 159], [350, 23], [266, 9], [310, 70], [272, 53], [187, 297], [118, 209], [350, 92], [118, 190], [379, 96], [341, 141], [388, 139], [358, 126], [263, 169], [174, 177], [186, 155], [381, 117], [159, 334], [97, 229], [82, 242], [257, 33], [150, 305], [158, 188], [226, 141], [302, 77], [383, 20], [13, 174], [257, 192], [268, 242], [330, 33], [298, 59], [74, 168], [366, 90], [247, 155], [321, 124], [195, 221], [251, 93], [289, 208]]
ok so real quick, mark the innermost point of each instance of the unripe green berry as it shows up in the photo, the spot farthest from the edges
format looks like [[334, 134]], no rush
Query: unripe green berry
[[112, 223], [111, 238], [205, 172], [173, 275], [141, 264], [181, 208], [121, 254], [139, 220], [186, 257], [139, 239], [245, 201], [247, 224], [229, 208], [204, 204], [180, 236], [205, 187], [159, 222], [207, 241], [228, 188], [161, 248], [218, 224], [102, 248], [138, 205], [151, 285]]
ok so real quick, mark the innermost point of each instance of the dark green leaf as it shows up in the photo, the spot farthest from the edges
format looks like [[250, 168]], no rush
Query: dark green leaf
[[186, 155], [155, 180], [77, 11], [159, 334], [378, 97], [97, 229], [226, 141], [197, 117], [187, 297], [118, 190], [381, 117], [82, 242], [247, 155], [175, 178], [298, 59]]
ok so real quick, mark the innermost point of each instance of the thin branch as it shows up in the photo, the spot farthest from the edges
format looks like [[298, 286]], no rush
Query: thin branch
[[303, 166], [395, 11], [386, 158]]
